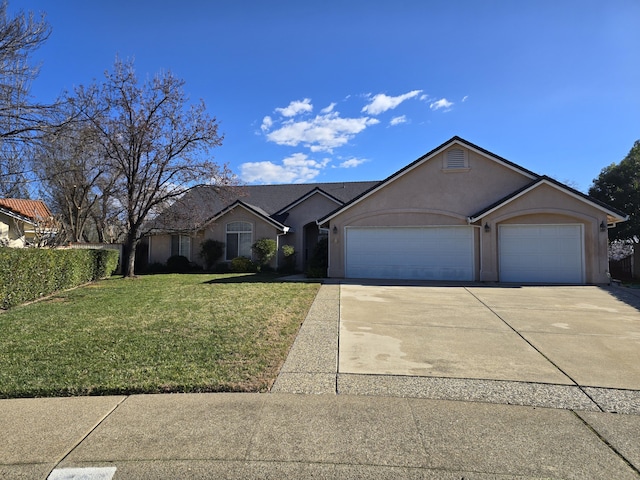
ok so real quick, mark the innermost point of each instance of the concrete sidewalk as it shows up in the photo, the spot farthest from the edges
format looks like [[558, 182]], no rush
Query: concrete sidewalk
[[320, 423], [299, 436]]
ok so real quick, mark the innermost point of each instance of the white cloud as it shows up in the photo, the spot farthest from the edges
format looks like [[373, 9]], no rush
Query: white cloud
[[464, 99], [297, 168], [296, 107], [398, 120], [442, 103], [352, 162], [329, 108], [381, 102], [321, 134], [267, 123]]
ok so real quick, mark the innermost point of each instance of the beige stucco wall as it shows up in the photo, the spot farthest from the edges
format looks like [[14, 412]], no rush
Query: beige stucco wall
[[547, 205], [9, 233], [427, 195], [160, 245]]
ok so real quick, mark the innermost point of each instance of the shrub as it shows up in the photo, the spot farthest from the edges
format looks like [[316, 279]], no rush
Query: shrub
[[289, 254], [319, 261], [178, 264], [106, 262], [210, 252], [156, 267], [264, 249], [242, 265], [221, 267]]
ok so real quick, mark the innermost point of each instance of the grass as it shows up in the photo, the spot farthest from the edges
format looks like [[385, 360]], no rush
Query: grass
[[158, 333]]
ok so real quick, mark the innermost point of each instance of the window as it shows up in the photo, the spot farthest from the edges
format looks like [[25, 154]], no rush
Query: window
[[239, 236], [181, 245], [456, 160]]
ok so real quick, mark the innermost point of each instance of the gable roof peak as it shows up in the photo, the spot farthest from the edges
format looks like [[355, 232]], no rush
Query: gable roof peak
[[424, 158]]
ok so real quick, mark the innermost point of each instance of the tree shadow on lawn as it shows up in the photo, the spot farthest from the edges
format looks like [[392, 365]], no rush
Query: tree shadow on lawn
[[249, 278]]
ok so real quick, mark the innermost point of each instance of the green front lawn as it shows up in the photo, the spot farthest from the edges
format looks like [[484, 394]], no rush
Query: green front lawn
[[159, 333]]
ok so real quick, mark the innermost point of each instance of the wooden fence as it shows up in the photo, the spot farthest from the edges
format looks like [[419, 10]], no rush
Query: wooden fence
[[622, 269]]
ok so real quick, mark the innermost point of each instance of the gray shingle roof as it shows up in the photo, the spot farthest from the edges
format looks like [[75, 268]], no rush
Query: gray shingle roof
[[202, 203]]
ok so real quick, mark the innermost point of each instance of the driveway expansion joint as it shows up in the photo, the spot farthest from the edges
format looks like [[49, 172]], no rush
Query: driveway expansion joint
[[524, 338], [606, 442]]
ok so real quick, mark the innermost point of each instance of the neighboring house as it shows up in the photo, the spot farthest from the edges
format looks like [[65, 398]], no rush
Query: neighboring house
[[457, 213], [24, 222]]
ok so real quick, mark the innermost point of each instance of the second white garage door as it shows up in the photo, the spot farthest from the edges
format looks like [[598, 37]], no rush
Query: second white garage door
[[541, 253], [414, 253]]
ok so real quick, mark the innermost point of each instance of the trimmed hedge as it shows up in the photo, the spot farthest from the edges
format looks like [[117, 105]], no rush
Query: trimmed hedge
[[30, 273]]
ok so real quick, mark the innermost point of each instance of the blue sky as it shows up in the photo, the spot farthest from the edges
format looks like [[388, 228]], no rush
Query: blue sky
[[310, 91]]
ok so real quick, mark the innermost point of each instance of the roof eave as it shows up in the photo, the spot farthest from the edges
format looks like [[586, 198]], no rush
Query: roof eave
[[612, 216], [17, 216]]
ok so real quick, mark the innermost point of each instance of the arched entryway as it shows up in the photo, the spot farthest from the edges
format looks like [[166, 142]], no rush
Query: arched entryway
[[311, 236]]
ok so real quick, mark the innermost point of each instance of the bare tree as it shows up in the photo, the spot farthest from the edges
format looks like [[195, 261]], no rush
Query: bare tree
[[19, 117], [14, 162], [155, 144], [75, 179]]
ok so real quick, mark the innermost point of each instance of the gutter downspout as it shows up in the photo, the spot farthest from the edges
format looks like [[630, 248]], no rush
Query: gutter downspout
[[480, 248]]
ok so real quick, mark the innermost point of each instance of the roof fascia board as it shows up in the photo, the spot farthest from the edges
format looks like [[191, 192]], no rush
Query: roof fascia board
[[428, 156], [305, 197], [557, 187], [17, 216]]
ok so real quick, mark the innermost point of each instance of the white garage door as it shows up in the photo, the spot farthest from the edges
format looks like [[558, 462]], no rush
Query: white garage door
[[415, 253], [541, 253]]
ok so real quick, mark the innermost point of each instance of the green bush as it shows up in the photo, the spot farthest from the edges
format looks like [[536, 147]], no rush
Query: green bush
[[106, 262], [319, 261], [30, 273], [178, 264], [210, 252], [289, 254], [156, 267], [264, 249], [242, 265]]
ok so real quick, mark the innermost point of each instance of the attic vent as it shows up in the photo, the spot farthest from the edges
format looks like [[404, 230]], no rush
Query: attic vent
[[456, 158]]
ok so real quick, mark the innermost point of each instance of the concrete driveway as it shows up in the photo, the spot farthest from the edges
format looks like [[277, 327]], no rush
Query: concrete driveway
[[583, 336]]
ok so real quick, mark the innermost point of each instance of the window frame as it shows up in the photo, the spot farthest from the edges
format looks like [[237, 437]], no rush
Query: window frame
[[238, 241], [181, 245]]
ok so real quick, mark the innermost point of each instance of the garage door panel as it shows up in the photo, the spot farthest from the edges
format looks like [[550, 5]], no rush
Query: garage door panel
[[428, 253], [541, 253]]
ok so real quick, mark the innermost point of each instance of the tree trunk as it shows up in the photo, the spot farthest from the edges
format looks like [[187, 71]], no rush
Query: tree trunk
[[129, 262]]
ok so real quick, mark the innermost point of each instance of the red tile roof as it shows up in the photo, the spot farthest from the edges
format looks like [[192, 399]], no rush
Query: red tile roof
[[33, 209]]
